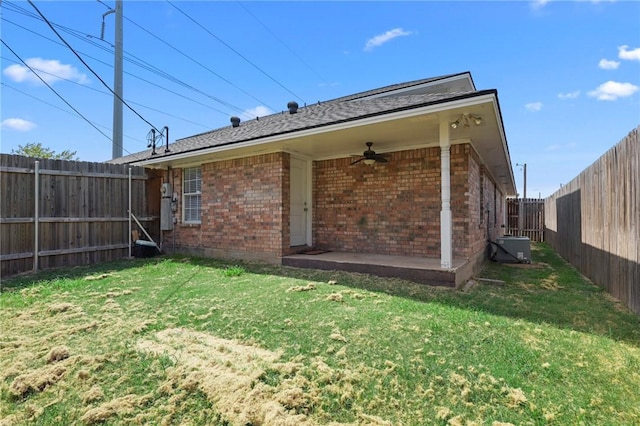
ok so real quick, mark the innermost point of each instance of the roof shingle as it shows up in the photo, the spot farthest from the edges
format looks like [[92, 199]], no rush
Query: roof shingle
[[339, 110]]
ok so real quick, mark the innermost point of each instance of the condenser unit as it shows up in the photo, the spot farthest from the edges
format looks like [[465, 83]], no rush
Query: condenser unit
[[512, 250]]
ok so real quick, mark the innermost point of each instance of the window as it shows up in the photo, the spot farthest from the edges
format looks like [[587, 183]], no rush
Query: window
[[191, 195]]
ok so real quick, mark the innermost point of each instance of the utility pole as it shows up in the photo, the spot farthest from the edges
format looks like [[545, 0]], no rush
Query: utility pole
[[117, 85], [116, 139], [524, 169]]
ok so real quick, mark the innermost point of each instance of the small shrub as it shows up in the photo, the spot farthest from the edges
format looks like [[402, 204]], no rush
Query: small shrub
[[233, 271]]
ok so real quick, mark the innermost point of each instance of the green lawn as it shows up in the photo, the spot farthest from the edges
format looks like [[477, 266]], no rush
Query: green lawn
[[191, 341]]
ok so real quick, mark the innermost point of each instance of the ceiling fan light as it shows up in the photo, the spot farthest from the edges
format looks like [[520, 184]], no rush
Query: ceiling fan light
[[454, 124], [369, 161]]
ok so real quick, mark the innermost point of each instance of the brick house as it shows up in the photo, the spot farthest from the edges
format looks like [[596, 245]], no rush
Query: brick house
[[270, 188]]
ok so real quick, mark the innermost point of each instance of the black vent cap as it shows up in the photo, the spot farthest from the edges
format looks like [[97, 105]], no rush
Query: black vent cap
[[293, 107]]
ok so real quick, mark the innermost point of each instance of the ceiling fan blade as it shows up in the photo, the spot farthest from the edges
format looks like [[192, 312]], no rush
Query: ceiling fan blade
[[357, 161], [381, 159]]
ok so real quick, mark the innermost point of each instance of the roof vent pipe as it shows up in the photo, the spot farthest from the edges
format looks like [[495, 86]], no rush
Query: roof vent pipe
[[293, 107], [235, 121]]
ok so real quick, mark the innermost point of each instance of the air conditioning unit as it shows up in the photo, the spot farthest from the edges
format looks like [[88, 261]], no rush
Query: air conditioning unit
[[512, 250]]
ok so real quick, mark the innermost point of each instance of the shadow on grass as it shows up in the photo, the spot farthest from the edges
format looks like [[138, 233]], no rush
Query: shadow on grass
[[550, 291], [53, 276]]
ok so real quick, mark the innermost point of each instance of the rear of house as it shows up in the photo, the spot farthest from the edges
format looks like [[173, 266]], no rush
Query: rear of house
[[301, 180]]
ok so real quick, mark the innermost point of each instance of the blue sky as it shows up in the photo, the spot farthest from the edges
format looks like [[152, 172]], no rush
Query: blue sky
[[567, 72]]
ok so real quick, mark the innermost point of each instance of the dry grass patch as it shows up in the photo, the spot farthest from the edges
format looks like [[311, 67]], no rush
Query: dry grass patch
[[37, 380], [297, 288], [119, 406], [335, 297], [57, 354], [230, 373]]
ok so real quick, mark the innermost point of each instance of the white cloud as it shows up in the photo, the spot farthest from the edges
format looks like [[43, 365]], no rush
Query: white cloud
[[18, 124], [259, 111], [630, 55], [537, 4], [52, 69], [557, 147], [606, 64], [380, 39], [533, 106], [569, 95], [612, 90]]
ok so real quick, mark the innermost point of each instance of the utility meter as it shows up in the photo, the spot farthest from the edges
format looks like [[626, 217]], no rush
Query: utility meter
[[166, 191]]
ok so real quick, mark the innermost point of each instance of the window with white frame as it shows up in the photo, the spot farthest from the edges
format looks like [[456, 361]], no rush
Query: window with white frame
[[191, 195]]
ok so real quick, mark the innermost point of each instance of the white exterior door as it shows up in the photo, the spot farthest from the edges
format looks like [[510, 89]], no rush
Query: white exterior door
[[299, 215]]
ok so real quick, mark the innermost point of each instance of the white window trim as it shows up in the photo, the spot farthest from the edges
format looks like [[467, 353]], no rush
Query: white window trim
[[190, 194]]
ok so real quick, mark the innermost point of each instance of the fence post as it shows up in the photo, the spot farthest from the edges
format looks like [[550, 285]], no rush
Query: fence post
[[130, 230], [36, 216], [520, 216]]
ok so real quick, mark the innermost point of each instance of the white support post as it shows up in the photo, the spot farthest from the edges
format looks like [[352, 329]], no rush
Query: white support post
[[36, 216], [446, 221]]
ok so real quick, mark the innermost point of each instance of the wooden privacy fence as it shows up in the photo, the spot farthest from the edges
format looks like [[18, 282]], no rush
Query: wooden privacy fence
[[594, 221], [525, 218], [65, 213]]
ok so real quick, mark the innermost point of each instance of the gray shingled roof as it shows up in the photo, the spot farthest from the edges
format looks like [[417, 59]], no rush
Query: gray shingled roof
[[309, 117], [393, 87]]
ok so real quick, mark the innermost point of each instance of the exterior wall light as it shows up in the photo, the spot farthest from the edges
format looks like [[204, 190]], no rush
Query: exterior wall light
[[464, 119]]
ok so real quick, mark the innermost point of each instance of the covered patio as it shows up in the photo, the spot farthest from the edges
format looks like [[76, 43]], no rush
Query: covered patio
[[407, 181]]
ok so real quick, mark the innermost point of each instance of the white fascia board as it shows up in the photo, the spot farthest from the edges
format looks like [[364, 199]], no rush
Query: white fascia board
[[429, 109], [503, 137]]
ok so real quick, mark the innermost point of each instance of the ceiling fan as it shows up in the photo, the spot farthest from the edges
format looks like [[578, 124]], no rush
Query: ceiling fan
[[370, 157]]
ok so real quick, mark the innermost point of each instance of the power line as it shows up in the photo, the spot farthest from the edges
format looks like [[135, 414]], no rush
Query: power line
[[104, 4], [106, 93], [64, 110], [234, 51], [132, 59], [203, 66], [53, 90], [200, 64], [283, 43], [150, 68], [88, 67]]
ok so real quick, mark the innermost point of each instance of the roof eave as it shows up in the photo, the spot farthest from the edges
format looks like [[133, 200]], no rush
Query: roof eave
[[401, 112]]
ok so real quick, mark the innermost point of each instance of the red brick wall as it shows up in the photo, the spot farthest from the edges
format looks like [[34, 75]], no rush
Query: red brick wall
[[391, 208], [245, 209], [486, 209], [460, 199]]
